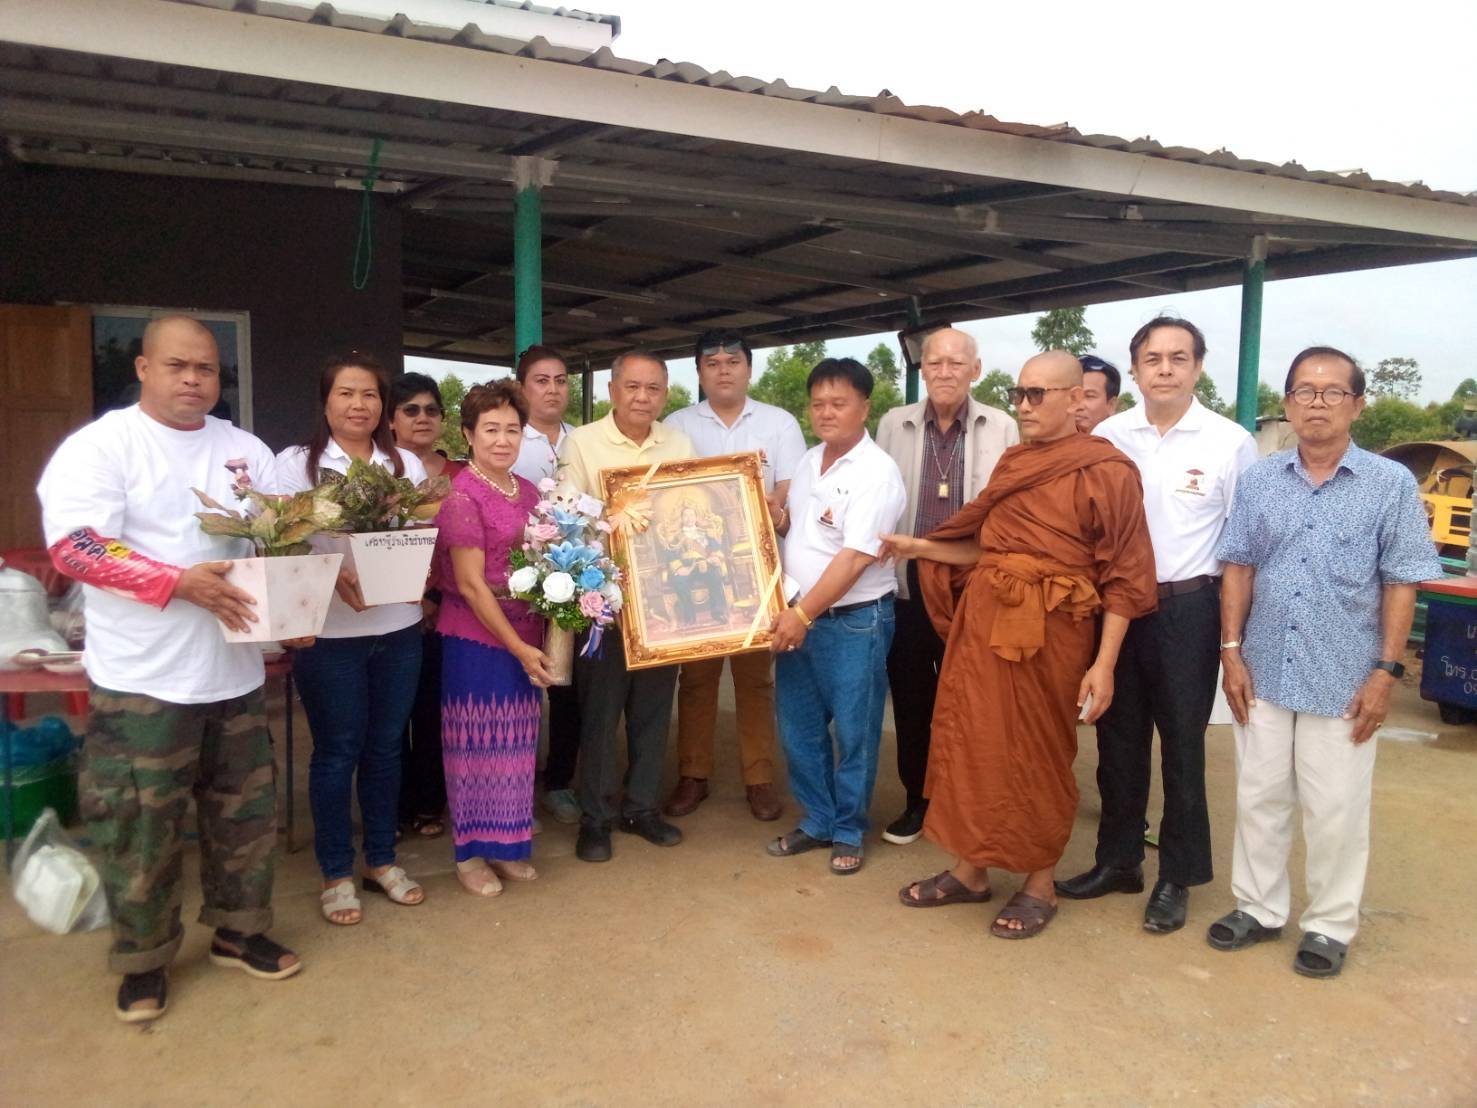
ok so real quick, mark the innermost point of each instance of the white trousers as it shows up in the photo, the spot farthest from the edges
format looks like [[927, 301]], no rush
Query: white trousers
[[1285, 759]]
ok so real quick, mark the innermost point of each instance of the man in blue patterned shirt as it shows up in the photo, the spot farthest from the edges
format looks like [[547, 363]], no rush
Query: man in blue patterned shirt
[[1322, 553]]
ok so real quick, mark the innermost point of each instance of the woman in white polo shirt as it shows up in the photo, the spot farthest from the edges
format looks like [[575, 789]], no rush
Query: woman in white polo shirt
[[358, 680]]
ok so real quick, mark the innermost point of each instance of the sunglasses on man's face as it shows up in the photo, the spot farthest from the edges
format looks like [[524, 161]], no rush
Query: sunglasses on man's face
[[414, 410], [733, 346], [1034, 395]]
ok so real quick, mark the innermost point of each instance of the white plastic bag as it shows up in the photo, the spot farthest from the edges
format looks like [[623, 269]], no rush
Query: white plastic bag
[[55, 883]]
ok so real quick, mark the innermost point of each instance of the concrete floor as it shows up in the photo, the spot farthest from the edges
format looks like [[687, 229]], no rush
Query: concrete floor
[[714, 974]]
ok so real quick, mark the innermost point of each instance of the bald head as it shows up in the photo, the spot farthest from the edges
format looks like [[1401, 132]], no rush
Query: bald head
[[950, 364], [950, 337], [179, 372], [1055, 377]]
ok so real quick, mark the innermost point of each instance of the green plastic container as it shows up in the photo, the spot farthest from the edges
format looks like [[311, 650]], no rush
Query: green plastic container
[[36, 788]]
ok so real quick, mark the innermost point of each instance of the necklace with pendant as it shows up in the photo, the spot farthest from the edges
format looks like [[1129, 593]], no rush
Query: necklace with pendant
[[513, 495]]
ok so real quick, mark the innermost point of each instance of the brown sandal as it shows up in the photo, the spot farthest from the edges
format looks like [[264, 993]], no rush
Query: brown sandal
[[1033, 913], [940, 889]]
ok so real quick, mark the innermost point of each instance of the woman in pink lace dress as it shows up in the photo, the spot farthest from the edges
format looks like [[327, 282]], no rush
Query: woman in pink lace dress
[[492, 661]]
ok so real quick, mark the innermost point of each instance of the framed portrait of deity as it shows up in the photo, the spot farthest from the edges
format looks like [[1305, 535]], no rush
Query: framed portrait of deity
[[702, 572]]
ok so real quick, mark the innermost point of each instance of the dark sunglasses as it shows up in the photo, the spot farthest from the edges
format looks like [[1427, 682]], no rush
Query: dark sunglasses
[[414, 410], [1034, 395], [731, 346]]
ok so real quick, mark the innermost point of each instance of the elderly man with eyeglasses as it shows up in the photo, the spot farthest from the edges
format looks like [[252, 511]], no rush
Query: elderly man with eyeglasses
[[1323, 550]]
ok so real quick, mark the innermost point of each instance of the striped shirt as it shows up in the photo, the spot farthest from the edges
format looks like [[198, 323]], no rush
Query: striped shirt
[[943, 470]]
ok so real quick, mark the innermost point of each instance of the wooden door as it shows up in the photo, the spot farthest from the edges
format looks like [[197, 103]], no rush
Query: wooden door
[[45, 394]]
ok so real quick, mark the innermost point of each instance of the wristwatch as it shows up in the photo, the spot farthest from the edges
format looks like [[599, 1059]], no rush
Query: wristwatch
[[1394, 669]]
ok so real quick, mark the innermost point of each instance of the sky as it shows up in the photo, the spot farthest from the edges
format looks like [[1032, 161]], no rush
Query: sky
[[1385, 88]]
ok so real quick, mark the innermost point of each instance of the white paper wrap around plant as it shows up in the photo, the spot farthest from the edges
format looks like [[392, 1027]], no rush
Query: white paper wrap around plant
[[392, 565], [292, 595]]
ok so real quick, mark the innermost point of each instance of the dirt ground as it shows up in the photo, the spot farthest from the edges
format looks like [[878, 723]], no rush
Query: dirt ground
[[712, 974]]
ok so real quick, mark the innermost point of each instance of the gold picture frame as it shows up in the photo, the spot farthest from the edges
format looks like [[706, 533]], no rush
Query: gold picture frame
[[703, 578]]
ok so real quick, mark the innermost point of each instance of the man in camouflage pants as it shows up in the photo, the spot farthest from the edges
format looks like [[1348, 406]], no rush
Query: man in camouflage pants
[[177, 710]]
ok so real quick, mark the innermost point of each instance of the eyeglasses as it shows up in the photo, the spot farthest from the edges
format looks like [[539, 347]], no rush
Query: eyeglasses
[[414, 410], [1333, 396], [728, 346], [1034, 395]]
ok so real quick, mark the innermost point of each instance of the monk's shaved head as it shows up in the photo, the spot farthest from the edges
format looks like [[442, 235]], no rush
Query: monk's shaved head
[[167, 327], [1055, 377], [1053, 369]]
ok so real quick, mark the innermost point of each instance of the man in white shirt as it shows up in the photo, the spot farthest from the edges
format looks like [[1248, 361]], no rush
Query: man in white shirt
[[832, 642], [946, 447], [1101, 384], [1190, 459], [544, 375], [729, 421], [175, 708]]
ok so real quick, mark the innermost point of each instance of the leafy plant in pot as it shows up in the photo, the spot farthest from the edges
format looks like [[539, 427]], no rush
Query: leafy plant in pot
[[292, 585], [383, 528]]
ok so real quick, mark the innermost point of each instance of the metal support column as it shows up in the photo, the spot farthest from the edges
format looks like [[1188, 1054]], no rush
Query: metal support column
[[587, 393], [910, 380], [1248, 367], [530, 175]]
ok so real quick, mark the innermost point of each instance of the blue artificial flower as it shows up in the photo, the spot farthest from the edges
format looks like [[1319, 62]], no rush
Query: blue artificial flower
[[591, 579], [564, 555], [570, 524]]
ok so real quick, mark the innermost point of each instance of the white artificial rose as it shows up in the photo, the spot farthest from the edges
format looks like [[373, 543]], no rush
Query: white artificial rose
[[523, 580], [558, 587], [612, 594]]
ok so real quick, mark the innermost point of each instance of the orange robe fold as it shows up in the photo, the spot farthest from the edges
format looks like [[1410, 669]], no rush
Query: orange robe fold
[[1063, 535]]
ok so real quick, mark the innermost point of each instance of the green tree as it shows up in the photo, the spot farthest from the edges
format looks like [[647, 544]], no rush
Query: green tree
[[783, 381], [1388, 421], [1466, 390], [992, 387], [451, 442], [1063, 329], [886, 394], [1210, 396], [574, 411], [1268, 402], [677, 397], [1125, 401], [1398, 377]]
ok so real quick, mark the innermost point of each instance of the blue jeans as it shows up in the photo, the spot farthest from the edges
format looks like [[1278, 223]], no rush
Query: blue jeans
[[829, 698], [357, 693]]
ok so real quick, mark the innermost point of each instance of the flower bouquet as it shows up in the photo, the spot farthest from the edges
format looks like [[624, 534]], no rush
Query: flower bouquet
[[565, 573], [383, 520], [291, 585]]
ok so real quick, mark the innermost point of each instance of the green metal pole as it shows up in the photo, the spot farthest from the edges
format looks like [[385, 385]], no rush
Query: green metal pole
[[1248, 368], [587, 394], [910, 380], [528, 243]]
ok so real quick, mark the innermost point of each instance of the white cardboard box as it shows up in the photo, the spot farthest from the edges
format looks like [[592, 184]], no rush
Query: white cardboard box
[[392, 565], [292, 594]]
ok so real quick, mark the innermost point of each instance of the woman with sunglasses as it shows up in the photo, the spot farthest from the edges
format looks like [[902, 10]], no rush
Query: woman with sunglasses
[[358, 679], [417, 422]]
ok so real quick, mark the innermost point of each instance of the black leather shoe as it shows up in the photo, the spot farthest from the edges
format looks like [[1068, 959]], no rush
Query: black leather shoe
[[593, 844], [652, 828], [1100, 881], [1166, 909]]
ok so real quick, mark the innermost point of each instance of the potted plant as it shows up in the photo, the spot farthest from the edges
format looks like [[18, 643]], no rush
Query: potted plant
[[292, 585], [382, 520], [565, 573]]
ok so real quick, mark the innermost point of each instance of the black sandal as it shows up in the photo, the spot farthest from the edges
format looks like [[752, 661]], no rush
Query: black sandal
[[1320, 956], [153, 985], [846, 850], [1239, 930], [796, 842], [256, 954], [428, 827]]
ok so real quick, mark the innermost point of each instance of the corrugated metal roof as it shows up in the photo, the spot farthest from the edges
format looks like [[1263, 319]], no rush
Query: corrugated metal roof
[[470, 35]]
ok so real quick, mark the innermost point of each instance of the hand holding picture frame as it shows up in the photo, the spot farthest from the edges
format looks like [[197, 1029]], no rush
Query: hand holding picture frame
[[702, 578]]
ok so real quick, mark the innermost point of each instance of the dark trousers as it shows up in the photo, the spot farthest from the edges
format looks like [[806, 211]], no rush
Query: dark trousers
[[1165, 679], [422, 775], [606, 689], [564, 737], [913, 667]]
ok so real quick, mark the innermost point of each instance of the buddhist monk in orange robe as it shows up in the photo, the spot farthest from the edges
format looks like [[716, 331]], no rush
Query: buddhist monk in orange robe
[[1013, 583]]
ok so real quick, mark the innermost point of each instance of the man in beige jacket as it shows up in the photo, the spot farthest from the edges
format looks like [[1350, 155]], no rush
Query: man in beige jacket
[[946, 447]]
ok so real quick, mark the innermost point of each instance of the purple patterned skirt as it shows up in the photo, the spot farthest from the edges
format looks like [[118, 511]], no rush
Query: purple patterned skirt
[[489, 744]]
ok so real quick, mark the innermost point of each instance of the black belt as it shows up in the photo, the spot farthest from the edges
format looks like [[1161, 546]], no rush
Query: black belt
[[842, 609], [1189, 585]]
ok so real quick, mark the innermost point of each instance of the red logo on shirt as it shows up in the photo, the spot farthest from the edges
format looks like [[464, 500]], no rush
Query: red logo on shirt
[[1192, 482]]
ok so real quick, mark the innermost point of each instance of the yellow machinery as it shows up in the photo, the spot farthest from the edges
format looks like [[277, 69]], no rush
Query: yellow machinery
[[1444, 472]]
